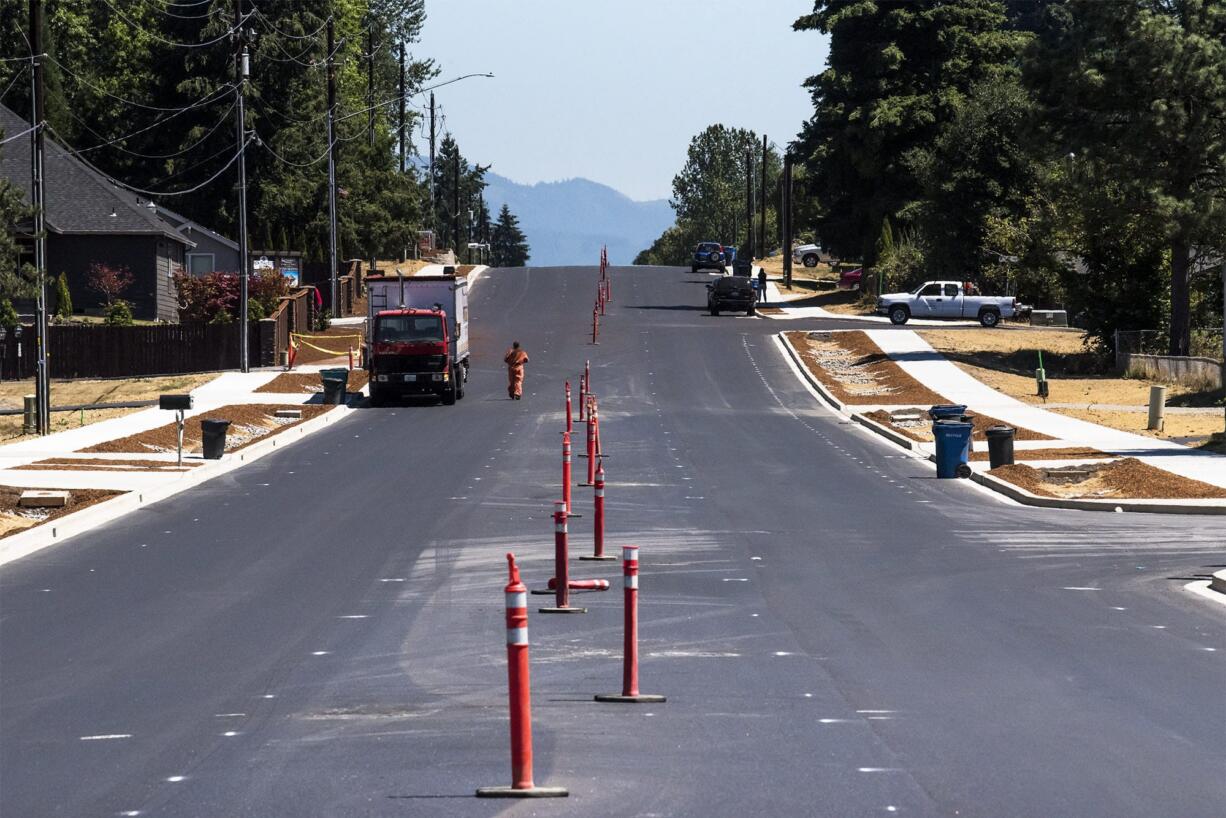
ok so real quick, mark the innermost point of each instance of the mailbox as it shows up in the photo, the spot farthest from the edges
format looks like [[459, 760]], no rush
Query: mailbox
[[179, 403]]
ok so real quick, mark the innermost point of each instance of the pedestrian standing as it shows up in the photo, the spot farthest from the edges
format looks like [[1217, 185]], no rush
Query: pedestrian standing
[[515, 360], [762, 284]]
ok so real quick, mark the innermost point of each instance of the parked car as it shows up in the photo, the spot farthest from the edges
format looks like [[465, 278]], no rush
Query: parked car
[[708, 256], [732, 293], [850, 279], [947, 299], [809, 255]]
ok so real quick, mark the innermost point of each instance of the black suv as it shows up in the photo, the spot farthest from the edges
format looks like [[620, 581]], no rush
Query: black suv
[[708, 256], [732, 293]]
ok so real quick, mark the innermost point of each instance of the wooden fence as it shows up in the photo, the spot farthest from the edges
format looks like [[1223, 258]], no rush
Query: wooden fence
[[101, 351]]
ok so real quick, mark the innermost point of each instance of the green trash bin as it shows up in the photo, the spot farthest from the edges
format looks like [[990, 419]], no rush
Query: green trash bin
[[336, 383]]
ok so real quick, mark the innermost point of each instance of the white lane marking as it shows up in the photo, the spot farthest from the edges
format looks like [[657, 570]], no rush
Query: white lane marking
[[875, 711], [1079, 588], [877, 769], [320, 652], [106, 737], [784, 653], [354, 616], [833, 721], [175, 779], [1158, 627], [130, 812], [393, 579], [269, 696], [230, 733], [229, 715], [735, 579]]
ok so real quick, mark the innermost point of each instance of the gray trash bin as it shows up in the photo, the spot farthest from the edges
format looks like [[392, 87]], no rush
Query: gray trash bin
[[336, 383], [213, 439], [1000, 445]]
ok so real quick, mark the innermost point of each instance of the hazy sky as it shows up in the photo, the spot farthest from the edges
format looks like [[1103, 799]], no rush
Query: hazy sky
[[613, 90]]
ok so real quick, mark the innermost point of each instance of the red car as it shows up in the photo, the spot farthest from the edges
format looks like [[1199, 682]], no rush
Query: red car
[[850, 279]]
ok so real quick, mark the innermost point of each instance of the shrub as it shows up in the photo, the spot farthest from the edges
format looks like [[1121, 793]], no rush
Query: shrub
[[222, 317], [323, 320], [119, 313], [255, 310], [109, 281], [63, 298], [8, 315], [203, 298]]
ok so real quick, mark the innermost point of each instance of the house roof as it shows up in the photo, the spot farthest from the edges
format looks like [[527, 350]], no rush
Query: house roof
[[79, 199], [187, 227]]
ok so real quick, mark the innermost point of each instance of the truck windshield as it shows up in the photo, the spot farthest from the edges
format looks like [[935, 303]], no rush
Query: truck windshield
[[408, 328]]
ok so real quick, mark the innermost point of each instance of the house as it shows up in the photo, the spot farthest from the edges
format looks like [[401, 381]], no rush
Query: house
[[89, 219], [212, 252]]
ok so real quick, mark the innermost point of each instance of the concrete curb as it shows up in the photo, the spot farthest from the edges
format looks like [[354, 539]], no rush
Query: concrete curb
[[1213, 589], [838, 405], [52, 533], [1015, 493]]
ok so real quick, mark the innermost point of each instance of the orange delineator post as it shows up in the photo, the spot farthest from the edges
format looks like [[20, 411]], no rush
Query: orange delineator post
[[566, 470], [595, 324], [630, 641], [591, 449], [583, 394], [561, 568], [598, 512], [519, 684], [569, 413], [582, 584]]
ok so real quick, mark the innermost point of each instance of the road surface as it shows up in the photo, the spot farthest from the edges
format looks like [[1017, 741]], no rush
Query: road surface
[[838, 633]]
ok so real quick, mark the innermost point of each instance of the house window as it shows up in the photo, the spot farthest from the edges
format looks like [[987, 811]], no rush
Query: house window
[[200, 263]]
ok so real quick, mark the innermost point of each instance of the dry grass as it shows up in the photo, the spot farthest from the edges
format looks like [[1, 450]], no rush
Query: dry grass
[[1127, 479], [14, 518], [856, 371], [1177, 425], [330, 341], [390, 266], [111, 390]]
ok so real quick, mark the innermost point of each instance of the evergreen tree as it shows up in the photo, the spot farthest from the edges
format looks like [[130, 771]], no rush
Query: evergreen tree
[[508, 245], [897, 73], [1136, 94], [454, 224]]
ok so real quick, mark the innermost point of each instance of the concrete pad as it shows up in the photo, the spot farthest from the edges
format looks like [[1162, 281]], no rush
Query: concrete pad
[[40, 498], [288, 413]]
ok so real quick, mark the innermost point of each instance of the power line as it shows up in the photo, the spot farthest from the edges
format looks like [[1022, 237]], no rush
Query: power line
[[276, 155], [151, 127], [144, 192], [8, 139], [174, 43], [133, 103], [281, 33]]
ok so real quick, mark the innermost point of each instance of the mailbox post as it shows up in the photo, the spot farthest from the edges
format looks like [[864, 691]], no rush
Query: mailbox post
[[178, 404]]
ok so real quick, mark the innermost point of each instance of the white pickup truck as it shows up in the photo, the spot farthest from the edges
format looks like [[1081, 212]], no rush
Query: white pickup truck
[[946, 299]]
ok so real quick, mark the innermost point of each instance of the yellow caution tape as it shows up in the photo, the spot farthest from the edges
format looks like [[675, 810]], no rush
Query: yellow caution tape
[[295, 339]]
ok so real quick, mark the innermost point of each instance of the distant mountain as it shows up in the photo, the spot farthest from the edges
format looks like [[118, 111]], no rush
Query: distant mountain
[[567, 222]]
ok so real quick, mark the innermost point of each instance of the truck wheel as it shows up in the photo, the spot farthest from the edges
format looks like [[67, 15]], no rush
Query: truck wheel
[[714, 310], [809, 260], [989, 318], [376, 396], [458, 378], [899, 315], [449, 394]]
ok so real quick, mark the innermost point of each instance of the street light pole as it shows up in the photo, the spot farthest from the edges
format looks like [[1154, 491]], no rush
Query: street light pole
[[332, 167], [787, 219]]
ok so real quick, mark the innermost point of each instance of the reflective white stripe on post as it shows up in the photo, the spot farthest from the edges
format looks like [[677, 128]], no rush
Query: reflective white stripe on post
[[632, 581], [517, 599], [517, 636]]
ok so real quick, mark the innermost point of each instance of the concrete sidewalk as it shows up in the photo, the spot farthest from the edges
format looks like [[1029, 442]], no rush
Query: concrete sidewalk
[[929, 367], [229, 388]]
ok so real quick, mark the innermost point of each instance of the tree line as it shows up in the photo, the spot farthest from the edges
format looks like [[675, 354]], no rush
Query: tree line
[[1072, 152], [145, 92]]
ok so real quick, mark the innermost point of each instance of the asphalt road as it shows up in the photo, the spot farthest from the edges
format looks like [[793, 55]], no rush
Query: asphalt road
[[838, 633]]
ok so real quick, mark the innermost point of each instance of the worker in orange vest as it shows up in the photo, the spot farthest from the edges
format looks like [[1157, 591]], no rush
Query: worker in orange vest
[[515, 360]]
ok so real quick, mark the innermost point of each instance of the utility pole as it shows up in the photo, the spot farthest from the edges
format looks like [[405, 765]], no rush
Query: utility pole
[[38, 198], [748, 203], [241, 70], [402, 150], [787, 219], [332, 165], [433, 216], [762, 201]]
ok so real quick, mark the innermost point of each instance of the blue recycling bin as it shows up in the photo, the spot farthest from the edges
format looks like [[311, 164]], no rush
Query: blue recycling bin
[[953, 439], [947, 410]]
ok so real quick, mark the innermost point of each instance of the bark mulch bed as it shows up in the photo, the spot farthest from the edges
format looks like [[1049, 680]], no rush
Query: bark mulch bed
[[13, 518], [922, 430], [249, 423], [856, 371], [1070, 453], [102, 464], [291, 382], [1127, 479]]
